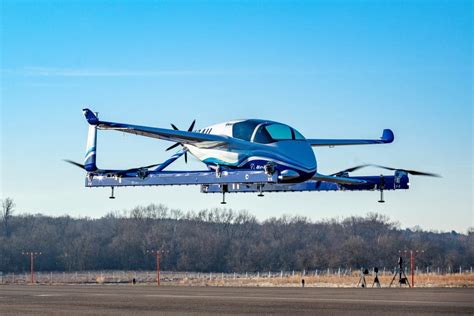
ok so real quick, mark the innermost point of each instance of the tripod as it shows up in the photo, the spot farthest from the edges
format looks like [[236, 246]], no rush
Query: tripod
[[362, 281], [376, 279], [402, 277]]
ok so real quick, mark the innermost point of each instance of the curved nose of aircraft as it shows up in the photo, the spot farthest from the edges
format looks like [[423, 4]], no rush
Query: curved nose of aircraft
[[301, 155]]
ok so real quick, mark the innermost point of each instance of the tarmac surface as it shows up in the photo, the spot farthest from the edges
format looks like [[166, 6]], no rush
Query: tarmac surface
[[170, 300]]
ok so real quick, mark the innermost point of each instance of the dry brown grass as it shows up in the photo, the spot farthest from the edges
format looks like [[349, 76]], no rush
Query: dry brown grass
[[422, 280], [242, 280]]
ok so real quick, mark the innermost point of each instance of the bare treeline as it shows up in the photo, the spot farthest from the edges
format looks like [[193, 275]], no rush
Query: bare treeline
[[221, 240]]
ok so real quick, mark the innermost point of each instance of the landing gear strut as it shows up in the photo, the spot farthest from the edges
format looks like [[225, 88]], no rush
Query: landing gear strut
[[260, 190], [381, 197], [382, 186], [112, 194], [225, 189]]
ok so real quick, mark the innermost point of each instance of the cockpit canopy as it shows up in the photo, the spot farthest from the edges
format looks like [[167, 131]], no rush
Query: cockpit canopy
[[264, 132]]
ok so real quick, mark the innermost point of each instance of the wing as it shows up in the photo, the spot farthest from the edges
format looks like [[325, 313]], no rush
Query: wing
[[184, 137], [341, 180], [387, 137]]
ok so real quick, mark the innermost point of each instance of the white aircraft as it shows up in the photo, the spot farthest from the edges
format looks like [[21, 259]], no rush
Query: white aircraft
[[250, 155]]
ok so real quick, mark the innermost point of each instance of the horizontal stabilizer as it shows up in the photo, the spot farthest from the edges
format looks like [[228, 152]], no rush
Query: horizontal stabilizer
[[387, 137]]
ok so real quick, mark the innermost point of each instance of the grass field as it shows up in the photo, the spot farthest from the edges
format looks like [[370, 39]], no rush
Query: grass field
[[423, 280], [238, 280]]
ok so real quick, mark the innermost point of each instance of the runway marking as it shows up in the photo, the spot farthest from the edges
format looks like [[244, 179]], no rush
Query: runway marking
[[341, 300], [48, 295]]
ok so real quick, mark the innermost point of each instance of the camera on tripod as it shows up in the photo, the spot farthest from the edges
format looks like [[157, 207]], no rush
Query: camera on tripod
[[402, 277]]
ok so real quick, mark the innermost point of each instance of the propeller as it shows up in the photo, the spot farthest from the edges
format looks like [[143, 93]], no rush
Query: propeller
[[75, 163], [118, 172], [190, 129], [412, 172], [349, 170]]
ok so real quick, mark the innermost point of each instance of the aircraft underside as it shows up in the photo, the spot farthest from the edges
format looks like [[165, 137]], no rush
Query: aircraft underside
[[248, 181]]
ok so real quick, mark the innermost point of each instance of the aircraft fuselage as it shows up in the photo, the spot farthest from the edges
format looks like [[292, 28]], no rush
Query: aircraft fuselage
[[291, 155]]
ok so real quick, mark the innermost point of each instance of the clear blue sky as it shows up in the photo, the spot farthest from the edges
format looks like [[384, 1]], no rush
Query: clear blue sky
[[328, 68]]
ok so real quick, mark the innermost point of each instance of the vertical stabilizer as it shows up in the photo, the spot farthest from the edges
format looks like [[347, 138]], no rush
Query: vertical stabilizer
[[91, 149]]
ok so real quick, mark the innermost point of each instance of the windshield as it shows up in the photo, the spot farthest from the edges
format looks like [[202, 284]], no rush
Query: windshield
[[244, 130], [298, 135], [270, 133]]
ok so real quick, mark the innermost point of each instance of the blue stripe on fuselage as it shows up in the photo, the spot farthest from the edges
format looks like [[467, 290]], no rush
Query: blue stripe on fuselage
[[258, 164]]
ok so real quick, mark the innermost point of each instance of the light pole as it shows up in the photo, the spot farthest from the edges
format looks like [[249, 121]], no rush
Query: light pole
[[158, 259], [412, 264], [32, 255]]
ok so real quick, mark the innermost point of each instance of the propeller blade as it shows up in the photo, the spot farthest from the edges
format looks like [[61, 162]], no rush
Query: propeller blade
[[150, 166], [350, 169], [190, 129], [174, 127], [173, 146], [143, 167], [412, 172], [75, 163]]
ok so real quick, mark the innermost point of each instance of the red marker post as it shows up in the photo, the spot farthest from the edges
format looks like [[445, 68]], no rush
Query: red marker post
[[32, 255], [158, 261], [412, 264]]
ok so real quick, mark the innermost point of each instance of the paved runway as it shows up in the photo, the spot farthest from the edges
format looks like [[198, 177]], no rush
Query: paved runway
[[148, 300]]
